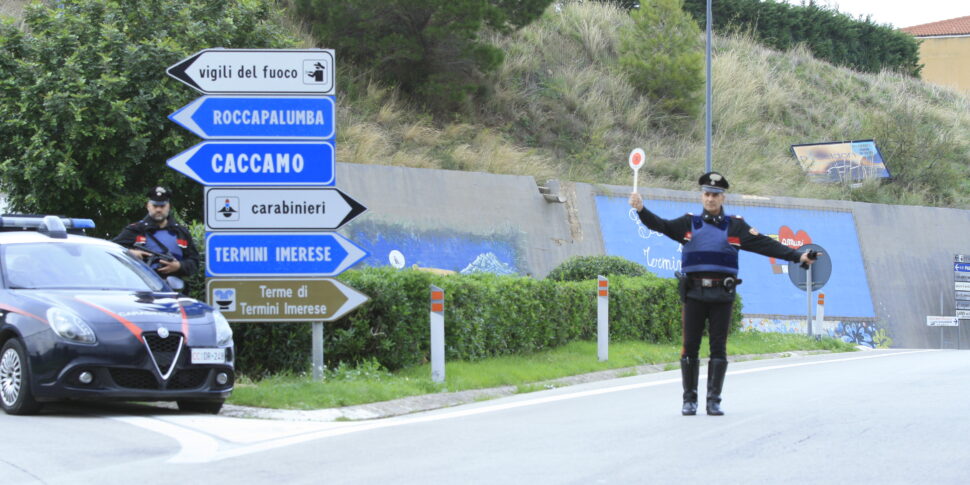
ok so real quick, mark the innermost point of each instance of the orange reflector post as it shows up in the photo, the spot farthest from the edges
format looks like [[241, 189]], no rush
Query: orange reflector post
[[437, 307], [604, 293], [604, 283], [437, 295]]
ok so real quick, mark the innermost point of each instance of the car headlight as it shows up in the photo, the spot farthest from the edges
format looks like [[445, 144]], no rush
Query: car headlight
[[223, 330], [69, 326]]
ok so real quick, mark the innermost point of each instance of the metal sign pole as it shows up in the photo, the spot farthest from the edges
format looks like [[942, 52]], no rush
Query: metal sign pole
[[808, 292], [317, 351]]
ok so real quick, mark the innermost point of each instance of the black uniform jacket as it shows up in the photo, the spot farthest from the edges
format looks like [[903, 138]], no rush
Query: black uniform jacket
[[740, 234], [190, 255]]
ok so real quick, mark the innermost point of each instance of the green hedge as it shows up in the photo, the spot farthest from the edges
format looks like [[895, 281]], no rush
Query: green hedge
[[831, 35], [579, 268], [485, 315]]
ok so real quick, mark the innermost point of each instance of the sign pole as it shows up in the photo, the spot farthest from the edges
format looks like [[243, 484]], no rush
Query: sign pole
[[317, 351], [808, 293], [437, 319]]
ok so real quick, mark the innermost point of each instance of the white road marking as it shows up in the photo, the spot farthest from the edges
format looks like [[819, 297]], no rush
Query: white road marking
[[202, 448]]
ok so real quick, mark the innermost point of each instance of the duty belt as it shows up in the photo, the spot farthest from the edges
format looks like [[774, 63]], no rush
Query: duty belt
[[729, 282]]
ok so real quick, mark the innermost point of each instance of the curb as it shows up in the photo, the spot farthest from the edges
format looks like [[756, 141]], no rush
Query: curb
[[428, 402]]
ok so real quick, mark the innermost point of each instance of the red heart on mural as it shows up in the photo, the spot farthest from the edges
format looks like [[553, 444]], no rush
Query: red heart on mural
[[792, 239]]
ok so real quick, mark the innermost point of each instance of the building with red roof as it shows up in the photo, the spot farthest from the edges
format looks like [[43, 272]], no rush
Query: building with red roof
[[945, 51]]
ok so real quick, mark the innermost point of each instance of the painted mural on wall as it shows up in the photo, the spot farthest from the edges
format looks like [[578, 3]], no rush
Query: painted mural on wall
[[859, 333], [767, 289], [436, 249]]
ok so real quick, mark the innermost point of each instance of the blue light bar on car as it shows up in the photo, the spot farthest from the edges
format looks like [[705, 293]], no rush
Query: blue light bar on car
[[38, 222]]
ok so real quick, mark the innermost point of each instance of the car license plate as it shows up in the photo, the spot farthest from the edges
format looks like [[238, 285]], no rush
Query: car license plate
[[208, 356]]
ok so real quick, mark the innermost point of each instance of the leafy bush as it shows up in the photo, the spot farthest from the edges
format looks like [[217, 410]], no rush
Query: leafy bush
[[830, 35], [84, 100], [581, 268], [485, 315], [663, 55]]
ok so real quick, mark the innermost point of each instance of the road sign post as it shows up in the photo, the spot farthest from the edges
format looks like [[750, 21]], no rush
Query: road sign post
[[278, 208], [274, 123], [259, 118], [264, 163], [282, 299], [255, 71], [603, 319], [437, 318], [812, 278]]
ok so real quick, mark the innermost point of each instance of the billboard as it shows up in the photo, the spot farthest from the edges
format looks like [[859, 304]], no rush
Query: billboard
[[844, 161], [767, 289]]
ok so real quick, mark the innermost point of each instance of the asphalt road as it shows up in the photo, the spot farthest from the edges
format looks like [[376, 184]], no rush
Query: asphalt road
[[882, 417]]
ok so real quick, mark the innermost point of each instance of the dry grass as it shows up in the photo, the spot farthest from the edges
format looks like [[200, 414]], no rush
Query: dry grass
[[561, 108]]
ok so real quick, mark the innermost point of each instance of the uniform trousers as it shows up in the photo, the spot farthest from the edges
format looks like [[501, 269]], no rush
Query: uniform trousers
[[718, 316]]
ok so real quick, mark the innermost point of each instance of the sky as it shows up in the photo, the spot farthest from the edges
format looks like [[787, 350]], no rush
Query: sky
[[900, 13]]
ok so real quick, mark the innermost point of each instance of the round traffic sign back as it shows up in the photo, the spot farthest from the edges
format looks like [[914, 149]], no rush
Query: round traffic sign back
[[821, 269]]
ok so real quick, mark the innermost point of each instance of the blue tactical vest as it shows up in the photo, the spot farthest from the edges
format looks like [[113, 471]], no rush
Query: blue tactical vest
[[169, 239], [708, 249]]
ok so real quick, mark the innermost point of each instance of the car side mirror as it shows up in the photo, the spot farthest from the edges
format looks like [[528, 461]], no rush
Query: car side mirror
[[175, 282]]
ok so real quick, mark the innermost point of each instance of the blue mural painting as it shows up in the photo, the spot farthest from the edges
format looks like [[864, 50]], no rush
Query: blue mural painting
[[390, 245], [767, 289], [860, 333]]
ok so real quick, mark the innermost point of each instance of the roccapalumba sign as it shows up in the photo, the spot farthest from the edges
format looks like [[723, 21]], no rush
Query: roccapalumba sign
[[278, 208], [282, 299], [258, 71]]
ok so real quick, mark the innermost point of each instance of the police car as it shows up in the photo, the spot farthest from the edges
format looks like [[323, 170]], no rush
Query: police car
[[81, 319]]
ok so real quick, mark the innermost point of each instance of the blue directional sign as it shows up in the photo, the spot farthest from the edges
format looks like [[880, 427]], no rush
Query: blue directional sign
[[252, 117], [279, 254], [264, 163]]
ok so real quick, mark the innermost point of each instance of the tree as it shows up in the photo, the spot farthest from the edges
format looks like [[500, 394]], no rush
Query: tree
[[663, 55], [430, 48], [84, 100]]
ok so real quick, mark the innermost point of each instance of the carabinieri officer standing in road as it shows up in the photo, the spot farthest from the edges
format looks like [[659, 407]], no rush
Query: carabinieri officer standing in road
[[707, 288]]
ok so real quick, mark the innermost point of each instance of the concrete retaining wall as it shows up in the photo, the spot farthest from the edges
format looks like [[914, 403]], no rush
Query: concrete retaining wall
[[907, 251]]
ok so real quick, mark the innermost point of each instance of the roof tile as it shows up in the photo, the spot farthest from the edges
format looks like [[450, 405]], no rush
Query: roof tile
[[957, 26]]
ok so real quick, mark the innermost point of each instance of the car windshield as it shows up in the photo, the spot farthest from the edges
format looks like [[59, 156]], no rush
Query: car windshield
[[75, 266]]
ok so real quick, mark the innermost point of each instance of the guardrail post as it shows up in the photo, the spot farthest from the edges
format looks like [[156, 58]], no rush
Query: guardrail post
[[437, 334], [603, 319]]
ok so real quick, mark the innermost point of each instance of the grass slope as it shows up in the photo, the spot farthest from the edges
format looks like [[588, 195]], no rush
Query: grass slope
[[561, 108]]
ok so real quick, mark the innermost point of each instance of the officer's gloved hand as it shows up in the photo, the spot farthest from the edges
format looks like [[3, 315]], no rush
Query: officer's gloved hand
[[813, 255]]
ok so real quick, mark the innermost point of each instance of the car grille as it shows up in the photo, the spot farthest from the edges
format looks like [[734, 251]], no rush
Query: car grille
[[163, 351], [188, 379], [134, 378]]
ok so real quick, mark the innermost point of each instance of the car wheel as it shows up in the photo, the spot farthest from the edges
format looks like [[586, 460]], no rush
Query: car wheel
[[196, 406], [15, 395]]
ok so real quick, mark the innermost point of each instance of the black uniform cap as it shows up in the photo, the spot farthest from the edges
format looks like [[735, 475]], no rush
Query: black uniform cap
[[159, 195], [713, 182]]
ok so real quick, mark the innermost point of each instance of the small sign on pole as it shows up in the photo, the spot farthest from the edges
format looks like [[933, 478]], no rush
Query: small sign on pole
[[602, 319], [637, 157], [437, 334]]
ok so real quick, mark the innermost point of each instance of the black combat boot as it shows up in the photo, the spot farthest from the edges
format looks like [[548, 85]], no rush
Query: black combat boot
[[688, 372], [716, 368]]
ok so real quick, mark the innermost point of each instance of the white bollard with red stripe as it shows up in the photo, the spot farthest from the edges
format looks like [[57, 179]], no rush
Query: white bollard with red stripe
[[437, 334], [603, 319]]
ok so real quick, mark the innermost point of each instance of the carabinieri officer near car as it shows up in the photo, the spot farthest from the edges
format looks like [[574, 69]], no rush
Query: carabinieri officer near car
[[709, 262], [160, 233]]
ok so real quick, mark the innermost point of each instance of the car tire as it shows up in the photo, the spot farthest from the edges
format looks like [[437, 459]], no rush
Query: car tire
[[15, 393], [200, 406]]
